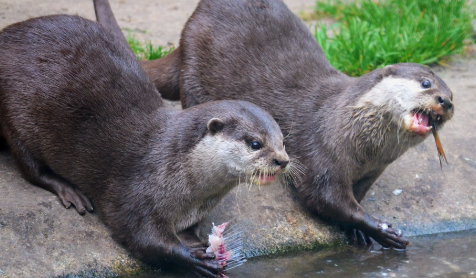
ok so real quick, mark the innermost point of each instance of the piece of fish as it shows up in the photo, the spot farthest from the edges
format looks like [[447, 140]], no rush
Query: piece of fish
[[439, 148], [227, 245]]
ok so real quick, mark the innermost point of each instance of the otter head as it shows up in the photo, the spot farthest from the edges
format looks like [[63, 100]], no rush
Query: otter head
[[244, 143], [415, 98]]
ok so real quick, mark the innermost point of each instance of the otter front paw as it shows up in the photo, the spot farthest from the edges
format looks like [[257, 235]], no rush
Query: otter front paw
[[205, 264], [357, 236], [382, 232], [388, 237], [200, 263]]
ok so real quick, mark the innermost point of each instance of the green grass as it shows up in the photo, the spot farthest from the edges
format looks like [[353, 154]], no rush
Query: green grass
[[146, 51], [370, 35]]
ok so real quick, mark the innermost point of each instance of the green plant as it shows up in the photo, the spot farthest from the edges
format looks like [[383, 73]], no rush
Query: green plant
[[147, 51], [371, 34]]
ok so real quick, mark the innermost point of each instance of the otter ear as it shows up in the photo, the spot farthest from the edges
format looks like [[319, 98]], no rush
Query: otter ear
[[389, 70], [215, 125]]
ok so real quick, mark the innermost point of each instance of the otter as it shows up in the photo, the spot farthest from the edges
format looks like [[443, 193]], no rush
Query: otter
[[344, 130], [83, 121]]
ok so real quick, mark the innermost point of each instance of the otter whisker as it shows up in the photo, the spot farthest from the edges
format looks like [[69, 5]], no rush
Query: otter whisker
[[297, 166], [252, 178]]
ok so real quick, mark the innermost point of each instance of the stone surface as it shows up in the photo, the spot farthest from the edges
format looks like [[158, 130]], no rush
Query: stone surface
[[158, 21], [40, 238]]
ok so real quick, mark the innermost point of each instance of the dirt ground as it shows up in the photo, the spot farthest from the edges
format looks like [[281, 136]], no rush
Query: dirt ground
[[158, 21]]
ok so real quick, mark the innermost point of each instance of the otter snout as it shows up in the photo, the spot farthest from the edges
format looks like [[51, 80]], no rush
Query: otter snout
[[281, 163], [445, 102]]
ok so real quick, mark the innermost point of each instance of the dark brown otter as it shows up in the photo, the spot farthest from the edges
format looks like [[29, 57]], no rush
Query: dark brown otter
[[81, 116], [345, 130]]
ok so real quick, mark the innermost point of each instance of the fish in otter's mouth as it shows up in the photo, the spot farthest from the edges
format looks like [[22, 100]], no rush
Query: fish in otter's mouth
[[423, 123]]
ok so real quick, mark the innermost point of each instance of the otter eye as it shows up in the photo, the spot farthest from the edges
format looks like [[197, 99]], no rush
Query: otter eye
[[255, 145], [426, 84]]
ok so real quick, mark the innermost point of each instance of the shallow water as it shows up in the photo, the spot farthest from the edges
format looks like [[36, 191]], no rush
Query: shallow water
[[443, 255]]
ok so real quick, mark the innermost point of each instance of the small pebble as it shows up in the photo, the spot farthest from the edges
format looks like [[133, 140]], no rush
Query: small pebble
[[384, 226], [397, 192]]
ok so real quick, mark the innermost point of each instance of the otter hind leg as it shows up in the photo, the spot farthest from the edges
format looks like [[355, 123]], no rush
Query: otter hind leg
[[40, 175]]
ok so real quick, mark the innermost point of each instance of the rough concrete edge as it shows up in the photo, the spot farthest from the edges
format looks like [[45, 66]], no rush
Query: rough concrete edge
[[452, 226], [292, 246], [121, 266], [128, 267]]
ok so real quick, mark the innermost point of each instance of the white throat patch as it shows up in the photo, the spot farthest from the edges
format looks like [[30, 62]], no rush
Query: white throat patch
[[393, 91]]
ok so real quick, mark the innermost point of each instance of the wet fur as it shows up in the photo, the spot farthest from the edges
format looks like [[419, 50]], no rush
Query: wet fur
[[344, 130], [81, 116]]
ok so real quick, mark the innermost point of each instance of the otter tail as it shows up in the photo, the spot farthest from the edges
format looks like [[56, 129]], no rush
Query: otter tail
[[106, 18], [164, 73]]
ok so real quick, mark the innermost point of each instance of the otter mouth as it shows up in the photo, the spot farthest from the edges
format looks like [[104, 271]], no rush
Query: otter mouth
[[265, 179], [268, 176], [423, 122]]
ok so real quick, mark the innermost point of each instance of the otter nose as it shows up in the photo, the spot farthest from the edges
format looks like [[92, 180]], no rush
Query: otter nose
[[444, 102], [281, 163]]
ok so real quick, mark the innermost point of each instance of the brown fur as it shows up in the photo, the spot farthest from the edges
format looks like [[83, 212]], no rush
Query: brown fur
[[81, 116], [259, 51]]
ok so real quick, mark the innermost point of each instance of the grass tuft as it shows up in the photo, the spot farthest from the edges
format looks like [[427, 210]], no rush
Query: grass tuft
[[147, 51], [370, 34]]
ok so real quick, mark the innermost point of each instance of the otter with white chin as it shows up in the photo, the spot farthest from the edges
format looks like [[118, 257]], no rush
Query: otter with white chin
[[84, 122], [344, 130]]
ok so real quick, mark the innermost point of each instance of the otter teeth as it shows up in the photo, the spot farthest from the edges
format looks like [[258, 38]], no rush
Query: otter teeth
[[420, 123]]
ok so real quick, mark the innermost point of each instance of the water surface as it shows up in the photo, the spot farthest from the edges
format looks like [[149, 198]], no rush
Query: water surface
[[441, 255]]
